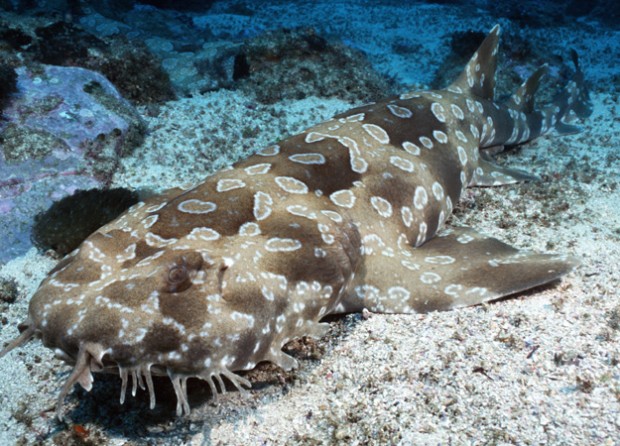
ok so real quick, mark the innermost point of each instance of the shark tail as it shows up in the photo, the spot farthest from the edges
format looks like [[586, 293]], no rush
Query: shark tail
[[478, 79], [520, 119], [570, 103]]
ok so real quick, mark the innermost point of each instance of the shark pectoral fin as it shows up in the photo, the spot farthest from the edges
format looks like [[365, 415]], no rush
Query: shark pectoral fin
[[488, 269], [460, 267], [490, 174]]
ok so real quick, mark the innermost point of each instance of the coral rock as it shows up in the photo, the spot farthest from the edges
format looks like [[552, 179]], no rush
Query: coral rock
[[65, 129]]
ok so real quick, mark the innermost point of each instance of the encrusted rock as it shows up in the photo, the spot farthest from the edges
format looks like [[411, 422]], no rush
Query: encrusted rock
[[65, 129]]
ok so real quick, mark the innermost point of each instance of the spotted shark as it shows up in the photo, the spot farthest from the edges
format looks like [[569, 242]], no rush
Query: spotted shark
[[348, 215]]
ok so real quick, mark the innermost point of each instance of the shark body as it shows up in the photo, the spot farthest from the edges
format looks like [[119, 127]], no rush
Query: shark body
[[347, 215]]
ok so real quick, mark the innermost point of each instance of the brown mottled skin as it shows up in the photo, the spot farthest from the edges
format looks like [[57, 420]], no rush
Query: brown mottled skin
[[344, 216]]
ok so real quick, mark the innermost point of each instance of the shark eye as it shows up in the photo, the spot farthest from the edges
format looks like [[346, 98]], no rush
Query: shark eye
[[177, 274], [178, 277]]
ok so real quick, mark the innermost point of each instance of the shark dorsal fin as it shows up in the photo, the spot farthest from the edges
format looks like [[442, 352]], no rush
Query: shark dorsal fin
[[478, 77]]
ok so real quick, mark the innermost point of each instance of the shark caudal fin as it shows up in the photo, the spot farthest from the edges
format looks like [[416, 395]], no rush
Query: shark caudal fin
[[571, 103], [478, 76], [579, 95]]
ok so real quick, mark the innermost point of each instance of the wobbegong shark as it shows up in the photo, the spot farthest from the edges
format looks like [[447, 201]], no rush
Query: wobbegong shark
[[348, 215]]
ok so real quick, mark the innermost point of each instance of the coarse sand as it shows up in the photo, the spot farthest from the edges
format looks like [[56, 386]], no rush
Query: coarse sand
[[538, 369]]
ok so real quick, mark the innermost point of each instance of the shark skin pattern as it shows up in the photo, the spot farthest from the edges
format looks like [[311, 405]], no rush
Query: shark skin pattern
[[349, 214]]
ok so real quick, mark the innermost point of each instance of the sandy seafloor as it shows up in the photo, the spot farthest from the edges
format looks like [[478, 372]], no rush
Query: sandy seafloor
[[542, 368]]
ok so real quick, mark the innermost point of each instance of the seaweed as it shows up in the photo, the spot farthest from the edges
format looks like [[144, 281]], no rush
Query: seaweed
[[65, 225]]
